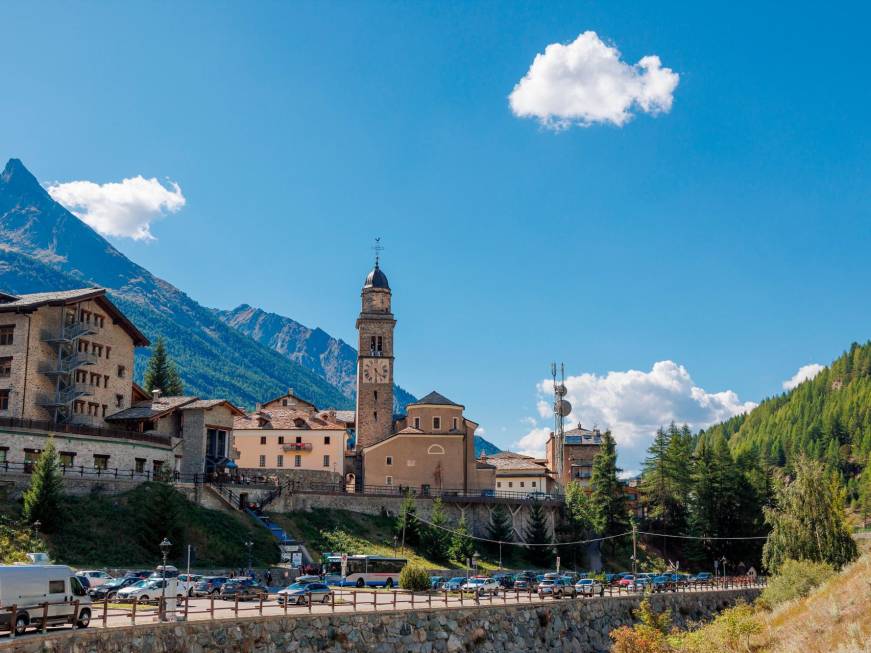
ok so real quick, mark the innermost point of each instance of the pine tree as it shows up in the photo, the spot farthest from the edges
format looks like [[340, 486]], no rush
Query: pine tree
[[537, 532], [462, 545], [576, 523], [161, 373], [808, 520], [437, 540], [500, 529], [42, 499], [657, 483], [160, 516], [408, 528], [610, 515]]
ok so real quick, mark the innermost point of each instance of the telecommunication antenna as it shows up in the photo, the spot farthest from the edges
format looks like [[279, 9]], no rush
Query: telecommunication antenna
[[561, 408]]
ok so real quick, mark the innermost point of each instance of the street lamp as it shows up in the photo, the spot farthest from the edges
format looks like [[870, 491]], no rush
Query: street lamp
[[249, 545], [165, 546], [395, 543], [475, 558], [36, 526]]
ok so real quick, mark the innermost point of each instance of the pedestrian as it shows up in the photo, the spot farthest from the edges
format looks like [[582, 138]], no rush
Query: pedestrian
[[268, 578]]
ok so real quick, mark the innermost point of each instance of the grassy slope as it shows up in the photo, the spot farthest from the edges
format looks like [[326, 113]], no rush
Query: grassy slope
[[373, 533], [835, 617], [101, 530]]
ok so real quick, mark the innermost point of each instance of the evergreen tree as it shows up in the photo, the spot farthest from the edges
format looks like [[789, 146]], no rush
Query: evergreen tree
[[576, 524], [437, 540], [864, 505], [160, 516], [658, 484], [808, 520], [161, 373], [462, 545], [608, 505], [42, 499], [537, 532], [408, 528], [500, 529]]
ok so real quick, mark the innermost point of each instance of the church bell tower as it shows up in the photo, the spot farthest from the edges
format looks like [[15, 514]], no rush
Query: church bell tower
[[374, 419]]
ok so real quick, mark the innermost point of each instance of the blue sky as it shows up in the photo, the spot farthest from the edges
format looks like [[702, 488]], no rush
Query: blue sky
[[727, 235]]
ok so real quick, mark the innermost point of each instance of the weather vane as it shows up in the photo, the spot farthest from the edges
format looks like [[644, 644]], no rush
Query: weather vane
[[378, 247]]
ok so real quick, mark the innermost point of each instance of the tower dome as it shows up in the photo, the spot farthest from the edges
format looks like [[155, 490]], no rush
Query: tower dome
[[376, 279]]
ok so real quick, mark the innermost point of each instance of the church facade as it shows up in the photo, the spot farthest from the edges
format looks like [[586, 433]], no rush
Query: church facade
[[432, 447]]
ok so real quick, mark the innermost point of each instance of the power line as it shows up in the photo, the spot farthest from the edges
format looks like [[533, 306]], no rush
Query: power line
[[703, 537]]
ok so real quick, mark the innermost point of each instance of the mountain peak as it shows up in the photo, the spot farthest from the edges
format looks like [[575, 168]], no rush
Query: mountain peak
[[19, 180]]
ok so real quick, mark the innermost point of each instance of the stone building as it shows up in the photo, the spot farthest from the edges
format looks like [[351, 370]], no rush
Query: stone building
[[432, 446], [580, 446], [65, 357], [519, 474], [299, 443]]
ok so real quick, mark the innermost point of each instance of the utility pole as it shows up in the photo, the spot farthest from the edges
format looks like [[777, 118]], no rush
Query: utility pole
[[634, 548]]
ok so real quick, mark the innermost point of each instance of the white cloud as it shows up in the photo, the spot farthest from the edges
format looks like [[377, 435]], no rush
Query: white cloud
[[633, 404], [586, 82], [120, 209], [805, 373]]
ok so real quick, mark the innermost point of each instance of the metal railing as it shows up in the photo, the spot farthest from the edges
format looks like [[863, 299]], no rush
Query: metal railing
[[68, 332], [111, 613], [425, 492], [107, 473], [82, 429]]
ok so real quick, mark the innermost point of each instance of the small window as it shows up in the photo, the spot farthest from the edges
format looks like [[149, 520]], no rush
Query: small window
[[119, 401], [101, 461], [140, 465], [105, 381], [510, 484], [376, 395], [417, 423], [299, 439], [498, 483], [4, 399], [280, 439], [6, 334], [104, 407], [326, 439], [122, 372], [455, 424], [436, 423], [262, 441], [6, 367], [108, 351], [4, 454], [284, 402], [388, 480], [67, 458], [57, 587], [297, 461], [326, 461], [375, 415], [533, 483], [522, 483], [262, 460], [156, 467], [389, 460], [279, 461]]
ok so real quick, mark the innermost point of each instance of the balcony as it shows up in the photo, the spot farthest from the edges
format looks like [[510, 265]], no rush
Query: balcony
[[64, 366], [68, 332], [297, 446]]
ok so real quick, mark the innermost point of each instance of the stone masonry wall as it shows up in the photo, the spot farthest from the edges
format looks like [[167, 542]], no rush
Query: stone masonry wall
[[577, 626]]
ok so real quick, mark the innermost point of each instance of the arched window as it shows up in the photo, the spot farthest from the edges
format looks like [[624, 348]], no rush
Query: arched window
[[435, 449]]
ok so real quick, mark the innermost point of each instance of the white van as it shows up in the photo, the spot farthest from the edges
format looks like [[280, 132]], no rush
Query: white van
[[27, 587]]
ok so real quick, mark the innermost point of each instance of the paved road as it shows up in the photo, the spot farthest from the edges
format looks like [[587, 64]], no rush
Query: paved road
[[346, 601]]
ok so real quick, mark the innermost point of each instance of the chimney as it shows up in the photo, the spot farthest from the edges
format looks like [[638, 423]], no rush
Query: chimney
[[155, 394], [290, 391], [258, 407]]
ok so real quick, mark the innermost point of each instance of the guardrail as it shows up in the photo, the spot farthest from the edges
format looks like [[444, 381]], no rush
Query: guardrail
[[109, 613], [97, 473], [423, 493]]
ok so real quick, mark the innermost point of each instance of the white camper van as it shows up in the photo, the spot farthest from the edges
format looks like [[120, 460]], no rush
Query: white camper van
[[27, 587]]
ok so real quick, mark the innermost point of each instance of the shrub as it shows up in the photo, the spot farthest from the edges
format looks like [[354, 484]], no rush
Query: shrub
[[730, 631], [796, 579], [639, 639], [414, 578]]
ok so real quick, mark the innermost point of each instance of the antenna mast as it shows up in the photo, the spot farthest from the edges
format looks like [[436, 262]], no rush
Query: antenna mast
[[561, 408]]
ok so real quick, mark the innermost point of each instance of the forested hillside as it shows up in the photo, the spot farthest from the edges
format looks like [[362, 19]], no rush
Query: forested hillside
[[827, 417]]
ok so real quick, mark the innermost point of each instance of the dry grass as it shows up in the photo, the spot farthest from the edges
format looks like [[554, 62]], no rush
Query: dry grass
[[834, 618]]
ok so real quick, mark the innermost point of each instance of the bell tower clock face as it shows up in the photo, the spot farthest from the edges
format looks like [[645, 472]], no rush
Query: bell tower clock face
[[374, 370]]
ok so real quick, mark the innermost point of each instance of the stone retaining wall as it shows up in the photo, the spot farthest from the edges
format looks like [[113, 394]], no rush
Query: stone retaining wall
[[580, 625]]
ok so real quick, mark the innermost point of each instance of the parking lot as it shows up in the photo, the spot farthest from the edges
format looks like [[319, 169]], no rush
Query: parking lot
[[110, 614]]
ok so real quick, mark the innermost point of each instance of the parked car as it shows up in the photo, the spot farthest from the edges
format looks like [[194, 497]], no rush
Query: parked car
[[506, 581], [522, 585], [298, 593], [436, 582], [481, 586], [142, 573], [703, 577], [24, 586], [244, 588], [589, 587], [186, 583], [455, 584], [539, 496], [110, 589], [626, 581], [149, 589], [557, 588], [168, 572], [95, 577], [208, 585], [663, 583]]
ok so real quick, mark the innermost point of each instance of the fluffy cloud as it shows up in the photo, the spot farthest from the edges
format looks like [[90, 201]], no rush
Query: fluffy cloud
[[805, 373], [633, 404], [585, 82], [120, 209]]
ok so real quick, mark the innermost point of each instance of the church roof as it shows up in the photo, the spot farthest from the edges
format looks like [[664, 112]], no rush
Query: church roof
[[434, 399], [376, 279]]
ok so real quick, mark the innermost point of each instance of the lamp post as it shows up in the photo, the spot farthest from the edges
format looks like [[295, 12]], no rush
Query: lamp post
[[249, 545], [475, 558], [36, 526], [165, 546], [395, 543]]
